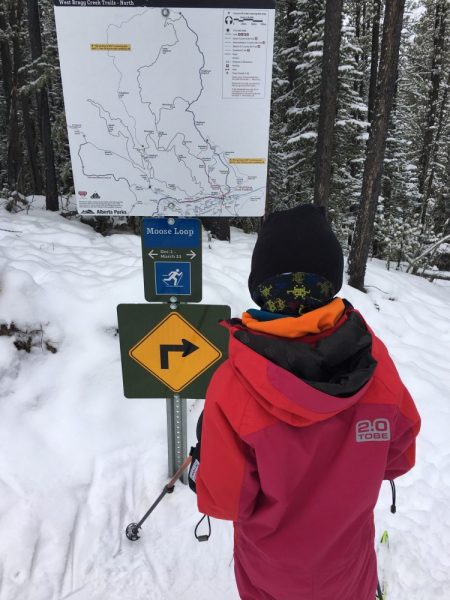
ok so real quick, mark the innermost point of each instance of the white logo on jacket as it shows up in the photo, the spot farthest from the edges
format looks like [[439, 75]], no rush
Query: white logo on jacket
[[194, 469], [378, 430]]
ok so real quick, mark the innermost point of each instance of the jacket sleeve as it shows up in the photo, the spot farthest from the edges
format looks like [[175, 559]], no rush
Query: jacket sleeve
[[402, 451], [227, 480]]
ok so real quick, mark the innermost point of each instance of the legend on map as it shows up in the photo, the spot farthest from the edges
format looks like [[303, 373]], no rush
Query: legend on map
[[245, 39]]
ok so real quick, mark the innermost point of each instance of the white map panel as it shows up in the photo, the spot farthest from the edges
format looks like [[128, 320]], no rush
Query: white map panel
[[167, 108]]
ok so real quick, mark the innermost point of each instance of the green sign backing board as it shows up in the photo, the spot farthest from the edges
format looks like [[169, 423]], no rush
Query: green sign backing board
[[172, 259], [166, 352]]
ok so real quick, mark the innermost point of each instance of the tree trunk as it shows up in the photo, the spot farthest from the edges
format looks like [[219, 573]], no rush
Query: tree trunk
[[14, 160], [364, 25], [441, 210], [218, 227], [374, 57], [291, 72], [376, 145], [51, 187], [358, 57], [433, 98], [9, 70], [27, 110], [328, 97], [6, 60], [437, 137]]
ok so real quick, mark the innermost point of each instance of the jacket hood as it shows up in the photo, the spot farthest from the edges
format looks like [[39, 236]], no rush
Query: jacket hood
[[307, 380]]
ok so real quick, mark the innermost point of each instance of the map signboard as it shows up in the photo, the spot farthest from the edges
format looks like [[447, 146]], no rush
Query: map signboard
[[167, 106], [172, 259], [168, 351]]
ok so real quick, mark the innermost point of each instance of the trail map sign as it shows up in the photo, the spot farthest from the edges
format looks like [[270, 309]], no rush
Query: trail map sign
[[172, 259], [167, 106], [165, 351]]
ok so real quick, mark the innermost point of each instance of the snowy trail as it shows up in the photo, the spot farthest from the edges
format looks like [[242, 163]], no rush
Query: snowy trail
[[78, 461]]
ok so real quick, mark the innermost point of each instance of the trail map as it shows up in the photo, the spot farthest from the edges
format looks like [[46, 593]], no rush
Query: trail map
[[167, 107]]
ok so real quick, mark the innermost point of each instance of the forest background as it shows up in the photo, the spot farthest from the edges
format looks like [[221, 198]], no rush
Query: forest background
[[359, 124]]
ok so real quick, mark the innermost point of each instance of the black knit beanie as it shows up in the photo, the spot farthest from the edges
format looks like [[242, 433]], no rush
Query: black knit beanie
[[297, 240]]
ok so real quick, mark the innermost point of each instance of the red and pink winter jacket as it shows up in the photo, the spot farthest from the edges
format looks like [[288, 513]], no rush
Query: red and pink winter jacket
[[298, 435]]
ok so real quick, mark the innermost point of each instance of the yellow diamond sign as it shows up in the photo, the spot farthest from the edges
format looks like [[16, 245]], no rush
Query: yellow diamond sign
[[175, 352]]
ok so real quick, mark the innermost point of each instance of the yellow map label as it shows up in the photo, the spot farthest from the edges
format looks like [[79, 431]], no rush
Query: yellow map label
[[247, 161], [111, 47]]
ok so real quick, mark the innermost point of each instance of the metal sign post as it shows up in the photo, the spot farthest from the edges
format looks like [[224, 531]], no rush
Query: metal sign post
[[167, 350], [177, 434]]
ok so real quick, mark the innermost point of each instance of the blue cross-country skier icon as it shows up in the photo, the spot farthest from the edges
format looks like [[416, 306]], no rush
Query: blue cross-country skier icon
[[173, 278]]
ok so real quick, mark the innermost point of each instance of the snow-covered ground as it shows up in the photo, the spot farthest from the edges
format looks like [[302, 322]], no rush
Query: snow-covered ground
[[78, 461]]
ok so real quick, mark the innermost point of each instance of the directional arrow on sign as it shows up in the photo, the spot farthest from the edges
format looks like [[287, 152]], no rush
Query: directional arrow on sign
[[153, 254], [192, 255], [175, 352], [186, 348]]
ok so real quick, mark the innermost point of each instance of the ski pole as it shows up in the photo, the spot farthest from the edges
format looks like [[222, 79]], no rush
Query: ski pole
[[132, 531]]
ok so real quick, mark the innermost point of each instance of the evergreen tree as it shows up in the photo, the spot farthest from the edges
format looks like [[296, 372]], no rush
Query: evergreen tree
[[351, 129], [10, 21], [328, 102], [396, 231], [377, 142], [303, 110], [432, 126], [413, 184], [56, 100], [283, 82]]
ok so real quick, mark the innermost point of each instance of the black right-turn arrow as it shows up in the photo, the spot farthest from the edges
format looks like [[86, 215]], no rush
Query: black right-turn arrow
[[186, 348]]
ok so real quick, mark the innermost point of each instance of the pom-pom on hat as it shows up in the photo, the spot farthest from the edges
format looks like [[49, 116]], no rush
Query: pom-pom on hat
[[297, 240]]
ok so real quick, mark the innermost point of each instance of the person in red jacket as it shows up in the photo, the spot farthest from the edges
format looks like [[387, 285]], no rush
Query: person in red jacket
[[302, 424]]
